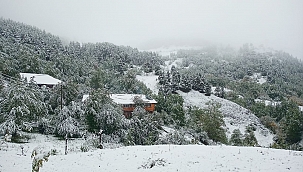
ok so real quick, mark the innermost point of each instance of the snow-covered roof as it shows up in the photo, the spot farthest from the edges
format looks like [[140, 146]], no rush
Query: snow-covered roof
[[129, 98], [125, 98], [41, 79]]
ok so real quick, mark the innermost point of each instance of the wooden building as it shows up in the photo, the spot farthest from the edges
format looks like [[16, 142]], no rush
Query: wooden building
[[128, 102]]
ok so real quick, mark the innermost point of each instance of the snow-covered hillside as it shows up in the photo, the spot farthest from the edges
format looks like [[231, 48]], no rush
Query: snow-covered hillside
[[235, 116], [151, 158]]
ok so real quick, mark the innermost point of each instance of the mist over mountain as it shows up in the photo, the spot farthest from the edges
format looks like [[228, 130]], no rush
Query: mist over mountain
[[274, 23]]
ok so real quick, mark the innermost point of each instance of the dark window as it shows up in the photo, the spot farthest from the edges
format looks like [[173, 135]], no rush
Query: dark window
[[147, 105]]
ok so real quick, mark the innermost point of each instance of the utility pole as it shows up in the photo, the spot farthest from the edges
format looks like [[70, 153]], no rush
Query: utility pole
[[100, 139], [61, 96], [66, 144]]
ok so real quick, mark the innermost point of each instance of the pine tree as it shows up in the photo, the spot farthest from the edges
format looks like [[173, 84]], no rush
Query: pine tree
[[207, 89], [250, 139], [212, 123], [236, 138]]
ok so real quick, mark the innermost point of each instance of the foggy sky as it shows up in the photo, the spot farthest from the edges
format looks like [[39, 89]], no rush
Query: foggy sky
[[155, 23]]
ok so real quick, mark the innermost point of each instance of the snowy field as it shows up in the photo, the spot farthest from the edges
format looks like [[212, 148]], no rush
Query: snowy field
[[157, 158]]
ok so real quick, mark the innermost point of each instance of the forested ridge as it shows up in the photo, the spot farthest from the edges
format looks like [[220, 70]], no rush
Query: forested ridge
[[99, 69], [267, 82]]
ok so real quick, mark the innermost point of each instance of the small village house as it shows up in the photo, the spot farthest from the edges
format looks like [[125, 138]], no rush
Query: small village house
[[41, 79], [128, 102]]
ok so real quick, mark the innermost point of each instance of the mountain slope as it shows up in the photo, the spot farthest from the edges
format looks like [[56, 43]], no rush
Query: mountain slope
[[235, 116]]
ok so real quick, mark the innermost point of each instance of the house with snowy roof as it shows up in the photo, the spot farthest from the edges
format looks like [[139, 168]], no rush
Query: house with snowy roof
[[41, 79], [130, 101]]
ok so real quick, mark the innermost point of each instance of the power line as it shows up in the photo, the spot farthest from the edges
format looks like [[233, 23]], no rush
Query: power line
[[10, 77]]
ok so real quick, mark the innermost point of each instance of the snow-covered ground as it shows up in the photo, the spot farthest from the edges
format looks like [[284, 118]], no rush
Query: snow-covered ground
[[150, 80], [267, 102], [259, 78], [169, 64], [149, 158]]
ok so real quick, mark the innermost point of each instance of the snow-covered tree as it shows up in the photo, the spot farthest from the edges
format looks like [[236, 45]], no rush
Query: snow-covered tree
[[22, 104], [207, 89], [102, 113], [142, 129], [66, 124]]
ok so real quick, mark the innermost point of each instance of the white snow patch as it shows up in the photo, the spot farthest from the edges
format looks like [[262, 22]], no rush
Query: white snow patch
[[268, 103], [150, 80], [259, 78], [262, 80], [170, 63], [85, 96]]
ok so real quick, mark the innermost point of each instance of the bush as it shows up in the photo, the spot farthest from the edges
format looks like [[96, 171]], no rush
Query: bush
[[176, 138], [20, 138]]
